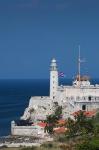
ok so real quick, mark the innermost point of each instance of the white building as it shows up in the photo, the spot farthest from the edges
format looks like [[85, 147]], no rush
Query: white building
[[80, 96]]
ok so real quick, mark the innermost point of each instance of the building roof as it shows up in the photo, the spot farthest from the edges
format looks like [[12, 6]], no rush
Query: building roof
[[90, 113], [60, 130], [86, 113], [61, 122], [42, 124]]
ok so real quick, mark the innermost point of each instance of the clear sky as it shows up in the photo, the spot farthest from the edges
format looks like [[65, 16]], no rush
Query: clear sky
[[32, 32]]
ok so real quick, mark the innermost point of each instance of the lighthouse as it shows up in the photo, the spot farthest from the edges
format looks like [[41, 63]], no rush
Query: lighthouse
[[53, 79]]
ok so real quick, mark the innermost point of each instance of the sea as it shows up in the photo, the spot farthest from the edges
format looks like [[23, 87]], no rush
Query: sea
[[15, 95]]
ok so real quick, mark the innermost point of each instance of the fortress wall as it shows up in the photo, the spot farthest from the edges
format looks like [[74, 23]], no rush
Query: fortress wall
[[27, 130], [81, 92], [24, 131], [38, 100]]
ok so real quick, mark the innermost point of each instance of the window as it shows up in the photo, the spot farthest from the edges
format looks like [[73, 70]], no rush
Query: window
[[78, 98], [84, 98], [89, 98], [83, 107], [72, 97]]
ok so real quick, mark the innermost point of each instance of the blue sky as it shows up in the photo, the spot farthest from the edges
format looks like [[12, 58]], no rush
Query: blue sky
[[32, 32]]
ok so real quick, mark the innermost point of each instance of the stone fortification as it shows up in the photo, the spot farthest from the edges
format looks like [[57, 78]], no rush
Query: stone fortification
[[27, 130], [38, 109], [79, 96]]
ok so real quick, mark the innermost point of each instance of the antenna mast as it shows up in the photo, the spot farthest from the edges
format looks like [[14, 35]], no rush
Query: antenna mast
[[79, 61]]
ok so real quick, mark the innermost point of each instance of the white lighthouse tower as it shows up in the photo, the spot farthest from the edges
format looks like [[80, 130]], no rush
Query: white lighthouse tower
[[53, 79]]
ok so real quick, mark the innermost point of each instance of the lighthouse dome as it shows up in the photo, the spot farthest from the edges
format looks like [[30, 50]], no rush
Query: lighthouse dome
[[53, 60]]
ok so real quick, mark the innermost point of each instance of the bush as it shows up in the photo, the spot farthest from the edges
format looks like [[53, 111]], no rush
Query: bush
[[29, 148], [4, 146], [87, 146], [61, 138], [47, 145], [64, 146]]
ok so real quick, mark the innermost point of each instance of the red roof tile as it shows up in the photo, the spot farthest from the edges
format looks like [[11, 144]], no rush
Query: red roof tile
[[60, 130], [61, 122], [41, 124], [86, 113]]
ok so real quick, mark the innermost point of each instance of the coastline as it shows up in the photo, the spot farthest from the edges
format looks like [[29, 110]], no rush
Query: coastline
[[17, 141]]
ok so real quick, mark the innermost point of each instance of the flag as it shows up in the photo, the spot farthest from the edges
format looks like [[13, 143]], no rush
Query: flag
[[61, 74]]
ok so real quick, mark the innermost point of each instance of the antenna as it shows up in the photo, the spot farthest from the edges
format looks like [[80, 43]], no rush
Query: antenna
[[79, 61]]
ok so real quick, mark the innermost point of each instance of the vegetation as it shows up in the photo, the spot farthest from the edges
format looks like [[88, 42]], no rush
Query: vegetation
[[89, 145], [52, 119], [29, 148], [80, 126], [82, 134], [85, 128]]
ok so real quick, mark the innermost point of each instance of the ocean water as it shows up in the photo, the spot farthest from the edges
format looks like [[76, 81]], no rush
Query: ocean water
[[14, 98], [15, 95]]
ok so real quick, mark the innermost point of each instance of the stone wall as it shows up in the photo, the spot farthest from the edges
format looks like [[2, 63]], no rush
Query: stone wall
[[27, 130], [24, 130]]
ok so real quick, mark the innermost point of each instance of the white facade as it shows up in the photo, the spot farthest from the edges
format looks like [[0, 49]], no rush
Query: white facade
[[78, 98]]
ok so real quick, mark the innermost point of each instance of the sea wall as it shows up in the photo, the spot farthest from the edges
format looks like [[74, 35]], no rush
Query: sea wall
[[27, 130], [24, 130]]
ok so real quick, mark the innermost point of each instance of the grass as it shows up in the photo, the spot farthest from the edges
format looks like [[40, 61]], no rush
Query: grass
[[95, 141]]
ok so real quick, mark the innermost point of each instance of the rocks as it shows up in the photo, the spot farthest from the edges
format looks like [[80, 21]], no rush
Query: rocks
[[16, 141]]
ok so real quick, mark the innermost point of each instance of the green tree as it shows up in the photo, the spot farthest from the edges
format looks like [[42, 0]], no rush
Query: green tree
[[80, 119], [96, 130], [80, 126], [89, 126], [82, 122], [52, 119], [97, 117], [85, 146], [58, 112], [93, 144], [71, 127]]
